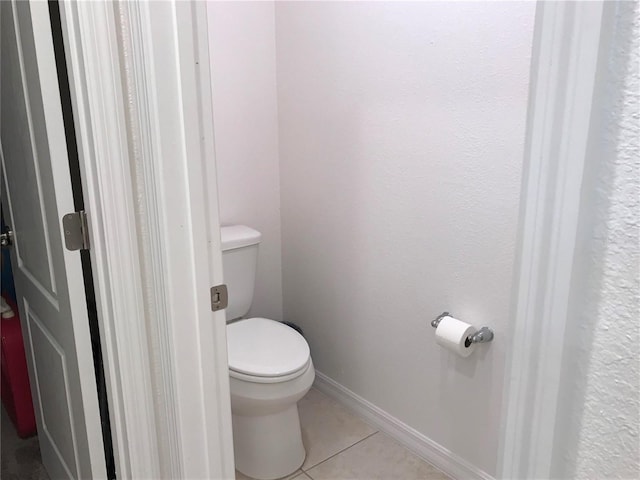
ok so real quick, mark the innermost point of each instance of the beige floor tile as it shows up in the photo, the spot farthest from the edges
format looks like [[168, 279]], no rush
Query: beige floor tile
[[302, 476], [328, 428], [296, 475], [376, 458]]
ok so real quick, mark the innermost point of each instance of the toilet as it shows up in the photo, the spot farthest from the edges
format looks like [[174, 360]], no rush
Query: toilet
[[270, 369]]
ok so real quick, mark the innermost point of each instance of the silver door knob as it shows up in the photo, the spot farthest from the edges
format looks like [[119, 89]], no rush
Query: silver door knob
[[6, 238]]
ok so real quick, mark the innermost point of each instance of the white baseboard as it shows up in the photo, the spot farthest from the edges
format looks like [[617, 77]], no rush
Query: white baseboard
[[432, 452]]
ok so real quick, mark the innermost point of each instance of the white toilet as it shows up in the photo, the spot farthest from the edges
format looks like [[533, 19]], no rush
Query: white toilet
[[270, 369]]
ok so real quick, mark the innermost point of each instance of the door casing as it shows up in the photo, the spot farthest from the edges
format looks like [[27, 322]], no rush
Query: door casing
[[143, 120], [567, 45]]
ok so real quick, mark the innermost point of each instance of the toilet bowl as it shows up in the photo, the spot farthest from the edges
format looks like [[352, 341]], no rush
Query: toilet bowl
[[270, 369]]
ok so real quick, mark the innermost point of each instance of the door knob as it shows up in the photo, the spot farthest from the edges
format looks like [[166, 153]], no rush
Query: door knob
[[6, 238]]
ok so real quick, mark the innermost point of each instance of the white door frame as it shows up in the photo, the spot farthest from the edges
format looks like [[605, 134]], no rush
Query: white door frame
[[567, 43], [143, 119]]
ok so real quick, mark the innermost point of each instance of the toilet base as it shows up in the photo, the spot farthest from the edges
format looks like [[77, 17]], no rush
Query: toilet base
[[268, 446]]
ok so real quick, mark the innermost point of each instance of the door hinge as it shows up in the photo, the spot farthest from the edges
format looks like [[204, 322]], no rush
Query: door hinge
[[6, 238], [219, 297], [76, 233]]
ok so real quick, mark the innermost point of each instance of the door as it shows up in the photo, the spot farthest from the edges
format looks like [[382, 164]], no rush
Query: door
[[48, 278]]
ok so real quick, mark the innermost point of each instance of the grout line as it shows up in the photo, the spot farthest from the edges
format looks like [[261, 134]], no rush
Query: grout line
[[338, 453]]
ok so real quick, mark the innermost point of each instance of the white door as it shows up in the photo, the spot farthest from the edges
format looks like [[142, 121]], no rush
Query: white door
[[48, 277]]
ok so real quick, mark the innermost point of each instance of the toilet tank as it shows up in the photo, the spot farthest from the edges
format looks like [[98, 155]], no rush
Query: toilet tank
[[239, 260]]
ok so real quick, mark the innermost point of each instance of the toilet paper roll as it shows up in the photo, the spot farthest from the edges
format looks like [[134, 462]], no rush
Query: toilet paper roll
[[452, 334]]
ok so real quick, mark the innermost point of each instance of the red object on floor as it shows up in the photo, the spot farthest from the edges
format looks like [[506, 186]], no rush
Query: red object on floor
[[16, 392]]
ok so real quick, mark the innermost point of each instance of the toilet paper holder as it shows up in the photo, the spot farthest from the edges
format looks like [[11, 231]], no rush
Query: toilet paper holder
[[484, 335]]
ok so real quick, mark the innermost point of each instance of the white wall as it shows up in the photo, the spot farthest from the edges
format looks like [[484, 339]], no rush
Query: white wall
[[600, 403], [242, 51], [401, 143]]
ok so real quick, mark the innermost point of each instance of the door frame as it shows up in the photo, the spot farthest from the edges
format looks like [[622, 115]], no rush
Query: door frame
[[143, 120], [567, 45]]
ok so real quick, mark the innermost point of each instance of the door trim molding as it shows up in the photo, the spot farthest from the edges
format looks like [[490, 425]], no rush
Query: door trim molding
[[94, 79], [143, 118], [563, 75]]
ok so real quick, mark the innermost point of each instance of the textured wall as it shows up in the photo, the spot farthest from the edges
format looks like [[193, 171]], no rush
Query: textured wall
[[401, 142], [242, 51], [609, 428]]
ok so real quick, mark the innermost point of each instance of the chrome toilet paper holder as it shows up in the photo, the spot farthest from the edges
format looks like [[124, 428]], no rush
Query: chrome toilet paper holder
[[484, 335]]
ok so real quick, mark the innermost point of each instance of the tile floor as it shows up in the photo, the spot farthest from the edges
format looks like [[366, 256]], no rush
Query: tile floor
[[341, 446]]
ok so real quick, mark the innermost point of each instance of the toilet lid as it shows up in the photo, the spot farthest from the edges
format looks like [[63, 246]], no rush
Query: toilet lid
[[265, 348]]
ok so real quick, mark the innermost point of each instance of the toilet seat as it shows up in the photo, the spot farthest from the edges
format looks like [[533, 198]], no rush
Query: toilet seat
[[266, 351], [280, 379]]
